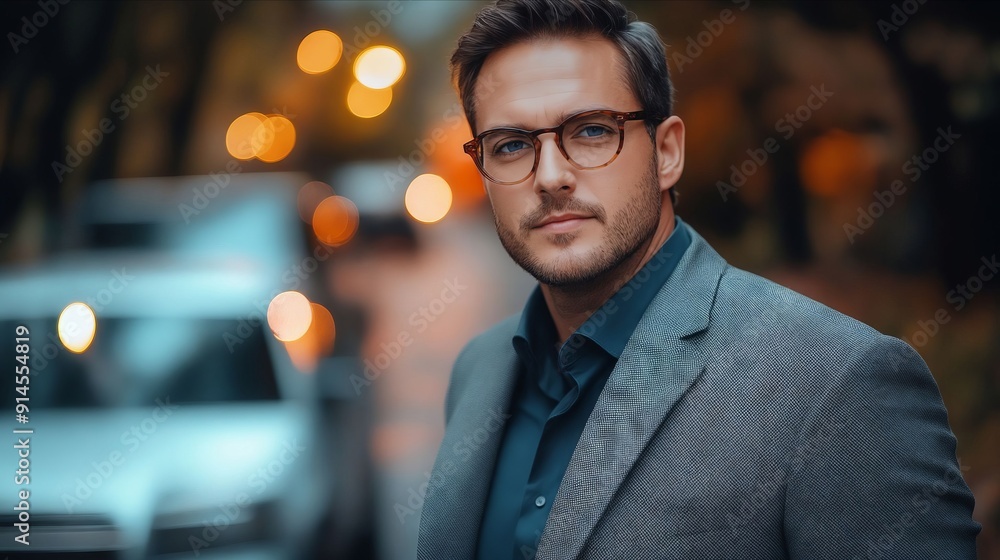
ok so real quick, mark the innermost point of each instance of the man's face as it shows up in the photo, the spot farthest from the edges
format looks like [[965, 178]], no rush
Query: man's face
[[536, 84]]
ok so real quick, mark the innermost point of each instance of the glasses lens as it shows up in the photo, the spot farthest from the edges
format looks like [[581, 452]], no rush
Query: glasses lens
[[591, 140], [508, 156]]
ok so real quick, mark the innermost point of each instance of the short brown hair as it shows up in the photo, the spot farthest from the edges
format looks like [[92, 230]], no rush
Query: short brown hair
[[506, 22]]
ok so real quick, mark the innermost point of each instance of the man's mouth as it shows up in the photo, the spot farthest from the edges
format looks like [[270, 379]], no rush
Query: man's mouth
[[562, 222]]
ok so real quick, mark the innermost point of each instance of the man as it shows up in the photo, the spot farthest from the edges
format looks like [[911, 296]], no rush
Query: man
[[652, 401]]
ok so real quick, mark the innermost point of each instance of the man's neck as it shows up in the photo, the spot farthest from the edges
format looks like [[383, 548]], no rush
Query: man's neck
[[570, 306]]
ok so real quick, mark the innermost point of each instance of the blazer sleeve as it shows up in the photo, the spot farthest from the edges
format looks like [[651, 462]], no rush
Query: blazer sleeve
[[874, 473]]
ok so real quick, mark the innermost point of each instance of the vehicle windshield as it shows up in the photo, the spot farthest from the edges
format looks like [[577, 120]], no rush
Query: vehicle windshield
[[134, 361]]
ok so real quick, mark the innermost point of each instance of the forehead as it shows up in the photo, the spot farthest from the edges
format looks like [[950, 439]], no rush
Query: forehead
[[535, 83]]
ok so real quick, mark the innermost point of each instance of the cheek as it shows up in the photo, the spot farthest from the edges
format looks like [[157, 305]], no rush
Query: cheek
[[501, 209], [505, 207]]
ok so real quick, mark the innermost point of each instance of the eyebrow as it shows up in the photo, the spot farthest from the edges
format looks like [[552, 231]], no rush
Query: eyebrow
[[560, 118]]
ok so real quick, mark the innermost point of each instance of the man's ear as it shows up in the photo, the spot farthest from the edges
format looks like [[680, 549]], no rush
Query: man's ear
[[669, 148]]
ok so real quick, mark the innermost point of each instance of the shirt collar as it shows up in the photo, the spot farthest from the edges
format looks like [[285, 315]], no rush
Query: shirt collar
[[536, 331], [611, 325]]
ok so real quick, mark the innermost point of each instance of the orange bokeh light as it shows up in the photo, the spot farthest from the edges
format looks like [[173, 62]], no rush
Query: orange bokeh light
[[366, 103], [428, 198], [838, 163], [274, 139], [289, 316], [305, 352], [455, 166], [241, 134], [335, 220], [319, 51]]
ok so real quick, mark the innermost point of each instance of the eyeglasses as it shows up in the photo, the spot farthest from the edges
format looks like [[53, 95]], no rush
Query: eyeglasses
[[588, 140]]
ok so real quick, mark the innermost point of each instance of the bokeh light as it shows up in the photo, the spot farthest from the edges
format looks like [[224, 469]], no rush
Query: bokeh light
[[289, 316], [323, 330], [274, 139], [335, 221], [77, 326], [838, 162], [309, 197], [449, 160], [379, 67], [306, 351], [242, 134], [366, 102], [428, 198], [319, 51]]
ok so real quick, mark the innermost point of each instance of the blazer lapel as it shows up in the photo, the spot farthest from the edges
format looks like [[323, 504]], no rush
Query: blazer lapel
[[460, 481], [656, 368]]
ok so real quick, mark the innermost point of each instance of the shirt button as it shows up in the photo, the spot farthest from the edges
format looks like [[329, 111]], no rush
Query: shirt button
[[540, 501]]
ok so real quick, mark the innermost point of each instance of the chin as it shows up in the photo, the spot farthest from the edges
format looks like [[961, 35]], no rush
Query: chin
[[565, 267]]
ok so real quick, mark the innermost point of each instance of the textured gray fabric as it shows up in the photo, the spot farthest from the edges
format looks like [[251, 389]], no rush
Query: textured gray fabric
[[743, 420]]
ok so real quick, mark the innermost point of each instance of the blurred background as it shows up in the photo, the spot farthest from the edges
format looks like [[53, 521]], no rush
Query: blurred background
[[242, 246]]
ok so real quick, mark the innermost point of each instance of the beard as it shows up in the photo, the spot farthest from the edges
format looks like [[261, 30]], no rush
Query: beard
[[628, 230]]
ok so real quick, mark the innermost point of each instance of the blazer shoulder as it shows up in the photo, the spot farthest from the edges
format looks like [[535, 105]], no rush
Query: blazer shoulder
[[766, 335], [768, 331], [752, 304]]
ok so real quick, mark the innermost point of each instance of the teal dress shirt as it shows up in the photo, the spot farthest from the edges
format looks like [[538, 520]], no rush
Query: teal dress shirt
[[555, 395]]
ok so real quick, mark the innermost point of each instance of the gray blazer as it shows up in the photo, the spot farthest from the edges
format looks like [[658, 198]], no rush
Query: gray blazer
[[743, 420]]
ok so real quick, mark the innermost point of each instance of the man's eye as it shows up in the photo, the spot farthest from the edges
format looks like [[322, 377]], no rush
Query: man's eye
[[593, 131], [510, 147]]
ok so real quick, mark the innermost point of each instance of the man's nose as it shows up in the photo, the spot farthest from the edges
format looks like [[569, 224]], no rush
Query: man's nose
[[554, 173]]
